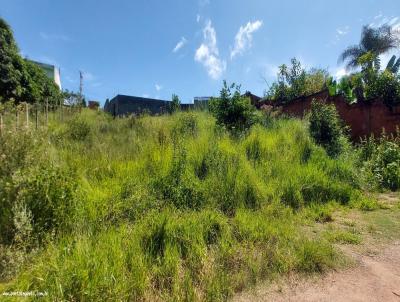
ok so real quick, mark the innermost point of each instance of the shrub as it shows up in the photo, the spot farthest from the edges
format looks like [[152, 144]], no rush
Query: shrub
[[78, 129], [232, 110], [294, 81], [385, 85], [187, 124], [381, 158], [325, 127], [315, 257], [33, 186], [174, 105]]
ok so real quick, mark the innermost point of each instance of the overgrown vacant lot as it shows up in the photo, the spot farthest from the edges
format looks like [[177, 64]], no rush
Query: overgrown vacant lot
[[168, 208]]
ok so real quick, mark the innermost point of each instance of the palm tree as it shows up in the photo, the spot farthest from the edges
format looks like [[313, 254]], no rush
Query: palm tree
[[393, 66], [374, 42]]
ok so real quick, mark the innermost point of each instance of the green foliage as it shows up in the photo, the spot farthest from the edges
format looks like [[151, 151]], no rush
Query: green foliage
[[381, 159], [294, 81], [325, 127], [393, 65], [371, 82], [33, 186], [385, 85], [78, 129], [232, 110], [11, 64], [21, 80], [73, 98], [344, 237], [168, 209], [174, 105]]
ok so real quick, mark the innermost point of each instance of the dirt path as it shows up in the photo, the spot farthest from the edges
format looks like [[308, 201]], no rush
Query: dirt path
[[375, 277]]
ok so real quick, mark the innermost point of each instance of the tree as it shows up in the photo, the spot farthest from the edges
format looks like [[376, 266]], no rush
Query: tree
[[232, 110], [11, 64], [294, 81], [325, 127], [374, 42], [72, 98], [37, 87], [175, 104], [21, 80], [393, 66]]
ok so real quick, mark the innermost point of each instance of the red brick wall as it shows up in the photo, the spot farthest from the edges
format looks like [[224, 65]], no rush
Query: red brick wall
[[363, 119]]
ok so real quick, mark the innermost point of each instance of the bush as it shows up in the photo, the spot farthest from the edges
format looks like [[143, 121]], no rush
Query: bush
[[325, 128], [174, 105], [34, 192], [78, 129], [381, 159], [232, 110], [187, 124], [168, 209], [385, 85]]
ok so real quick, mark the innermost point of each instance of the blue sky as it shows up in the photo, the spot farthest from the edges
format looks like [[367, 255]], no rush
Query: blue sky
[[156, 48]]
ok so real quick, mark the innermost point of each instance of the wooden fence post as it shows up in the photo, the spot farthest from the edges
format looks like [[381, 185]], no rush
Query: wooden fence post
[[1, 123], [60, 111], [16, 118], [37, 117], [47, 112], [27, 115]]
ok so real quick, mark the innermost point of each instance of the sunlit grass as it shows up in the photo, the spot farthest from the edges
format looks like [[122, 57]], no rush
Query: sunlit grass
[[175, 208]]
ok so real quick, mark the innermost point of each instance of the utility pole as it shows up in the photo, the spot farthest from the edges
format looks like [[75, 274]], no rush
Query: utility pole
[[80, 89], [80, 83]]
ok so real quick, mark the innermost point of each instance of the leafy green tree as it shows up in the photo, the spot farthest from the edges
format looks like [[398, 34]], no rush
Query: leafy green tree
[[22, 80], [175, 104], [374, 42], [325, 127], [73, 98], [37, 87], [385, 85], [11, 64], [294, 81], [232, 110]]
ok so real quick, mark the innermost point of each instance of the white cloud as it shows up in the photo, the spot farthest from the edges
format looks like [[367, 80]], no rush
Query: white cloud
[[180, 44], [340, 73], [342, 31], [198, 18], [208, 54], [46, 36], [380, 20], [158, 87], [145, 95], [244, 37]]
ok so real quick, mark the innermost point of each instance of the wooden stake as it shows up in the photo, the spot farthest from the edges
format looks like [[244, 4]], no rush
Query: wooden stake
[[16, 119], [1, 124], [60, 111], [37, 117], [27, 115], [47, 112]]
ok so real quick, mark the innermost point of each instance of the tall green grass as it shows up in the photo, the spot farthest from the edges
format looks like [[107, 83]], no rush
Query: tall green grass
[[174, 208]]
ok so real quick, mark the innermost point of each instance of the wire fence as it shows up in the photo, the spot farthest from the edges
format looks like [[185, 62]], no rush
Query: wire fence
[[34, 116]]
